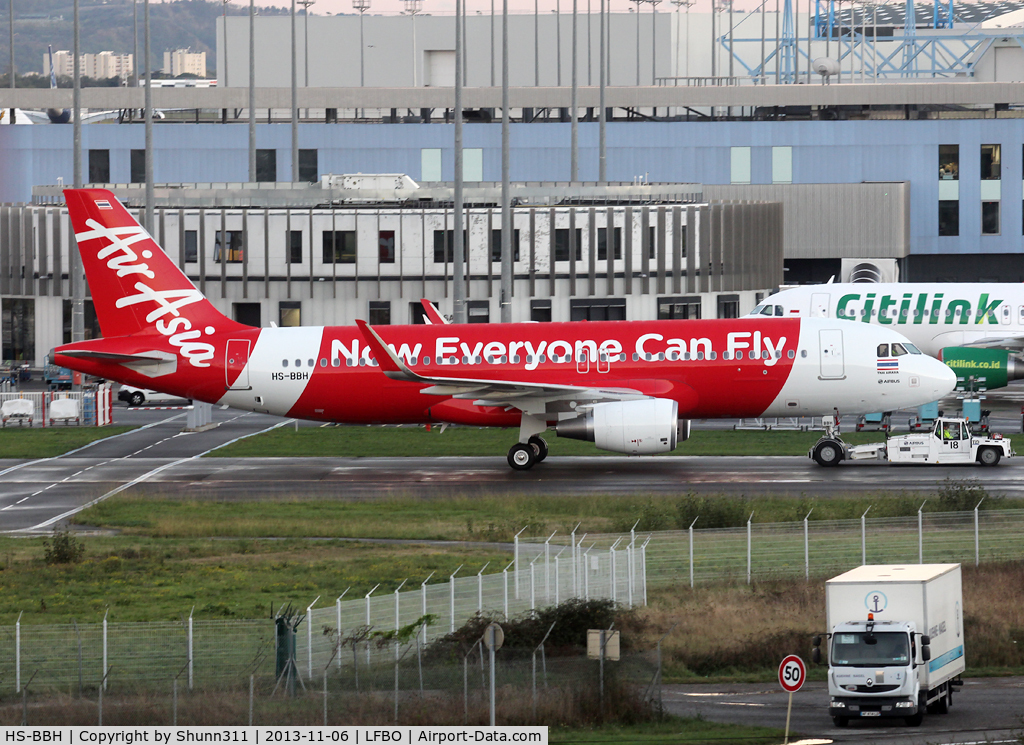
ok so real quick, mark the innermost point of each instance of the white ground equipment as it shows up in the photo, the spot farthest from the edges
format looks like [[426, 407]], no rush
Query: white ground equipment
[[949, 441]]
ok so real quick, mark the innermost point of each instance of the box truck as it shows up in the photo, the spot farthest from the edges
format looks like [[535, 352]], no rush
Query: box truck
[[895, 641]]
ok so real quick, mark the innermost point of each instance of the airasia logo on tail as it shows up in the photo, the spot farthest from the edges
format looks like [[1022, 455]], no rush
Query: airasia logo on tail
[[121, 258]]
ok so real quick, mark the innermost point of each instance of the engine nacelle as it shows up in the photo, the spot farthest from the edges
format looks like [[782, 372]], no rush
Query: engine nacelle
[[643, 427], [997, 366]]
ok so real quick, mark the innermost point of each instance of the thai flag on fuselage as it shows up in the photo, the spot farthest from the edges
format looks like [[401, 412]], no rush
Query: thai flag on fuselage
[[888, 364]]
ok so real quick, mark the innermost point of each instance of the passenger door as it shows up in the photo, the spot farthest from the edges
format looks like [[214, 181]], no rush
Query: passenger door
[[831, 352]]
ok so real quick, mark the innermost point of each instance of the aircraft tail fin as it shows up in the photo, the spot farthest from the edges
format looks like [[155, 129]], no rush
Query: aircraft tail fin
[[53, 71], [136, 288]]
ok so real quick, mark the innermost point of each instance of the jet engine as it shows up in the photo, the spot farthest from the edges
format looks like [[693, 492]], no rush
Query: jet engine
[[643, 427], [996, 366]]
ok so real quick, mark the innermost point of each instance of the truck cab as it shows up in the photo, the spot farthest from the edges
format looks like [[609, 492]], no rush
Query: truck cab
[[873, 670]]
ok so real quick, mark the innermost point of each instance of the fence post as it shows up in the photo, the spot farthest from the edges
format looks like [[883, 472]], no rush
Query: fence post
[[465, 687], [611, 566], [977, 554], [557, 599], [864, 536], [423, 598], [691, 548], [572, 545], [920, 533], [643, 565], [586, 573], [337, 618], [515, 557], [309, 639], [17, 652], [504, 579], [190, 649], [325, 697], [174, 701], [807, 549], [490, 648], [105, 646], [533, 596], [451, 588], [252, 685], [398, 625], [629, 574], [480, 589], [368, 622], [748, 546], [547, 568]]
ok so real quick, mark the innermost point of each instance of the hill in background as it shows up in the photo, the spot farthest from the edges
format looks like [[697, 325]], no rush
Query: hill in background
[[107, 25]]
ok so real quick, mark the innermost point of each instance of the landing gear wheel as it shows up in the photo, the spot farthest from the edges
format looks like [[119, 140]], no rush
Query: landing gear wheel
[[828, 453], [136, 399], [840, 721], [521, 457], [988, 457], [914, 721], [540, 447]]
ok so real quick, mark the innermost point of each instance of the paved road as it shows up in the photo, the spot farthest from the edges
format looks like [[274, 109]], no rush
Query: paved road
[[988, 710], [35, 494]]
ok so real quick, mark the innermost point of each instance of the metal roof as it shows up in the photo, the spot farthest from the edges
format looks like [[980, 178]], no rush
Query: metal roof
[[924, 13]]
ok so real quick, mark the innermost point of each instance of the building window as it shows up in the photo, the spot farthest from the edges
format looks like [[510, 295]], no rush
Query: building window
[[289, 313], [782, 165], [473, 164], [191, 246], [235, 247], [604, 309], [562, 244], [308, 170], [92, 324], [949, 162], [18, 323], [339, 246], [739, 170], [540, 311], [138, 165], [949, 217], [386, 246], [295, 247], [478, 311], [678, 308], [99, 167], [496, 245], [380, 312], [430, 164], [652, 242], [728, 306], [990, 162], [247, 313], [990, 218], [266, 165], [444, 250], [602, 244]]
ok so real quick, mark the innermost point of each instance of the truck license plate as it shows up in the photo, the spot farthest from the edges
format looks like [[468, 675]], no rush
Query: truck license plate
[[871, 713]]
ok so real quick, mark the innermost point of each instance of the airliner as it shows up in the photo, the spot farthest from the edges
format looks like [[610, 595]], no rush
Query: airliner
[[975, 328], [628, 386]]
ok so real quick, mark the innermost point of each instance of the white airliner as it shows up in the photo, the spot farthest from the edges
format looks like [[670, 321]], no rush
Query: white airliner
[[976, 328]]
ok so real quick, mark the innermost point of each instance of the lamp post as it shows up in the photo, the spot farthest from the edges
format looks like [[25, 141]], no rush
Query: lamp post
[[638, 2], [252, 91], [412, 8], [224, 23], [362, 6], [654, 41], [295, 107], [305, 43]]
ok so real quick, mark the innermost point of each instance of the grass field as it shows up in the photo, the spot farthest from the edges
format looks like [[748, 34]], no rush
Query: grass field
[[20, 442], [491, 517], [354, 442]]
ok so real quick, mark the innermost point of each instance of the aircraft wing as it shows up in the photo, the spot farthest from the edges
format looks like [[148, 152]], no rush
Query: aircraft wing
[[488, 392]]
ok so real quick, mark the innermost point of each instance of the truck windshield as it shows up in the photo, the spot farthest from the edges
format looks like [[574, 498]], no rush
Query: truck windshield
[[878, 649]]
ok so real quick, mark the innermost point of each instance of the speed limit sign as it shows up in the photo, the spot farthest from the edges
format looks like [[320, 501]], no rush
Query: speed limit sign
[[792, 673]]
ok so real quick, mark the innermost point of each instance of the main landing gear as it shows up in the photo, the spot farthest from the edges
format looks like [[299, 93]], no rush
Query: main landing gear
[[523, 456]]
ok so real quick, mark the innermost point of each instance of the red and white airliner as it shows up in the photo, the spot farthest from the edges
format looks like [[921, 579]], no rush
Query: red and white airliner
[[628, 386]]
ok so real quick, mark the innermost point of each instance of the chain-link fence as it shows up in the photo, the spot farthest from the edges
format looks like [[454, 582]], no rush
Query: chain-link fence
[[803, 548]]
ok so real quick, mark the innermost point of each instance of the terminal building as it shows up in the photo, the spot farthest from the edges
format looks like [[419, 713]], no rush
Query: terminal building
[[917, 166]]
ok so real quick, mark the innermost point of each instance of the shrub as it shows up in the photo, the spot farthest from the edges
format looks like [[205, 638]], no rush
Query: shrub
[[64, 548]]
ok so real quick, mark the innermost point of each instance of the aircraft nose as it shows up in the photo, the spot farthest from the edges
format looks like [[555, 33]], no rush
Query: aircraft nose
[[940, 377]]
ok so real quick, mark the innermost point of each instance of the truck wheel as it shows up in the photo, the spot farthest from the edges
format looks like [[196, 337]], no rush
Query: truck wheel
[[915, 721], [828, 453], [840, 721], [988, 456]]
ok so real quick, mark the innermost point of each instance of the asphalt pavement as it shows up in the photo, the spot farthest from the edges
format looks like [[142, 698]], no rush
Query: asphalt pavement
[[986, 710]]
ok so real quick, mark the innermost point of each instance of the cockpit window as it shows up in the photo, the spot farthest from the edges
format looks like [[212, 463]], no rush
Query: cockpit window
[[757, 311], [778, 310], [883, 350], [912, 349], [898, 350]]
